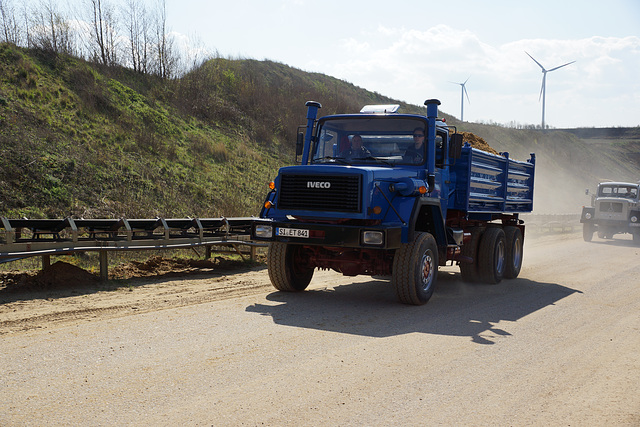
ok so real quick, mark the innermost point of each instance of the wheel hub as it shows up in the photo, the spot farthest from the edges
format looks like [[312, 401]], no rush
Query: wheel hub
[[427, 270]]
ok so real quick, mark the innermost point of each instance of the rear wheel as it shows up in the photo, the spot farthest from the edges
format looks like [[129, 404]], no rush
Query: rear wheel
[[286, 267], [491, 255], [515, 243], [415, 269]]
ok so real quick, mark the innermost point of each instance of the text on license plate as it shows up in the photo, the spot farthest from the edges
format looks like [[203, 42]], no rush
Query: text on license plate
[[292, 232]]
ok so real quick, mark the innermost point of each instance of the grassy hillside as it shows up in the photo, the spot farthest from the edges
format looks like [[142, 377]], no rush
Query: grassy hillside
[[80, 140], [95, 142]]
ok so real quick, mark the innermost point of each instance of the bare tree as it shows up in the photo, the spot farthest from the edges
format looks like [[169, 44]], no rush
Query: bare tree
[[11, 32], [50, 29], [104, 31], [166, 57], [27, 25], [137, 26]]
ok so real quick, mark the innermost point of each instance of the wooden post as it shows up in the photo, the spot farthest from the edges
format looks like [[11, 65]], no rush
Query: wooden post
[[46, 261], [104, 266]]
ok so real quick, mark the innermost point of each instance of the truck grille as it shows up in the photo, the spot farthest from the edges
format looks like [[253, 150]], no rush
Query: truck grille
[[612, 210], [610, 207], [339, 193]]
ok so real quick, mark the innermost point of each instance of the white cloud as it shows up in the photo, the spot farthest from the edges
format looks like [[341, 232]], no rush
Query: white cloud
[[504, 83]]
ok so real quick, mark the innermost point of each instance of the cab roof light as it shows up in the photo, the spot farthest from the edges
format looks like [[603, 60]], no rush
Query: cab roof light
[[380, 109]]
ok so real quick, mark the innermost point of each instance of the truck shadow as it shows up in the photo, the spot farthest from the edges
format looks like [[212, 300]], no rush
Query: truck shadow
[[456, 308], [615, 242]]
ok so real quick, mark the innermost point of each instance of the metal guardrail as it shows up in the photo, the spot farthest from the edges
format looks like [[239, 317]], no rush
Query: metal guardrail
[[551, 223], [22, 238]]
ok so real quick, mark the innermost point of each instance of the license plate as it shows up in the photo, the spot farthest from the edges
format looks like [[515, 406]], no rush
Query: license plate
[[292, 232]]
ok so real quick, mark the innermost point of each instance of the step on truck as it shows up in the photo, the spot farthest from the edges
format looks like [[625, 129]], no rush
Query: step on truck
[[381, 193], [615, 209]]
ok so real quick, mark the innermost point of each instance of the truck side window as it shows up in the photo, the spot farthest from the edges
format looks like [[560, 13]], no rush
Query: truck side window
[[440, 150]]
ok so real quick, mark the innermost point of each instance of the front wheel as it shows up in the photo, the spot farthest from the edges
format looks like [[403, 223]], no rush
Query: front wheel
[[587, 231], [415, 269], [287, 269]]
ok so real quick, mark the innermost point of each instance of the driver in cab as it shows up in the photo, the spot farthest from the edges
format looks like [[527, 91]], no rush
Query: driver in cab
[[356, 150], [415, 152]]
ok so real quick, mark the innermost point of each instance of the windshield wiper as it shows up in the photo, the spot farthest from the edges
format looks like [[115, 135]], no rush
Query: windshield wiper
[[337, 159]]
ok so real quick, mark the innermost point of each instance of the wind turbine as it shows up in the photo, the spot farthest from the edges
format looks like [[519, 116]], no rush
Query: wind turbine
[[543, 89], [464, 92]]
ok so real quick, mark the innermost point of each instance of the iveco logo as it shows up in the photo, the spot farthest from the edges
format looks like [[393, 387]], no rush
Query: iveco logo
[[318, 184]]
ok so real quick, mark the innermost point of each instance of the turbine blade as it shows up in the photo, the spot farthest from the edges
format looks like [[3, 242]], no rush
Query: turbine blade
[[544, 80], [534, 60], [465, 82], [465, 92], [562, 65]]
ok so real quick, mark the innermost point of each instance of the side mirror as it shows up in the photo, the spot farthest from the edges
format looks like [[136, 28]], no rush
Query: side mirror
[[299, 144], [455, 146]]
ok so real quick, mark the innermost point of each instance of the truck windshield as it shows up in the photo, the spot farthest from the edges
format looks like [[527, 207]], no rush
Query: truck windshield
[[370, 140], [618, 191]]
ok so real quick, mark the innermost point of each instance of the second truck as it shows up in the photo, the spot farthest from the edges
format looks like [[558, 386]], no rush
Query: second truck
[[615, 209], [382, 193]]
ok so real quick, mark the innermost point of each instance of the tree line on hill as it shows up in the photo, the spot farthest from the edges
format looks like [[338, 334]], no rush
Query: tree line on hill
[[129, 34]]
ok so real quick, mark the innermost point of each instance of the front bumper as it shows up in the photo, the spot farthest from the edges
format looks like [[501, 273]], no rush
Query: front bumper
[[306, 233]]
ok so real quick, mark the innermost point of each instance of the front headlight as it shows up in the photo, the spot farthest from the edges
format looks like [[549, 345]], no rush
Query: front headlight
[[587, 215], [264, 231], [634, 219], [372, 237]]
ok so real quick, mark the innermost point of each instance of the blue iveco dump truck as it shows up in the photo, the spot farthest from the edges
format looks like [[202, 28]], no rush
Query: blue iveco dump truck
[[387, 194]]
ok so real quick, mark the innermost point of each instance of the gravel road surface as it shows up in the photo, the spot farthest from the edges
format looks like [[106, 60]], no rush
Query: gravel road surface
[[560, 346]]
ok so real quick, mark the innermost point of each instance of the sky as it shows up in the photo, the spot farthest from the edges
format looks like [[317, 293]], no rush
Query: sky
[[421, 49]]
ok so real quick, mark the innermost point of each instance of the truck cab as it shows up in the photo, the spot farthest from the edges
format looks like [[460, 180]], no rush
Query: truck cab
[[615, 209]]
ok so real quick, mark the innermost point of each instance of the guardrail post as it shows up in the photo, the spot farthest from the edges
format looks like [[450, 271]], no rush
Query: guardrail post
[[165, 227], [74, 229], [46, 261], [104, 266], [10, 233]]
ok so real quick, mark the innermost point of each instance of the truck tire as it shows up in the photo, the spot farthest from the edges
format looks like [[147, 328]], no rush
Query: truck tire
[[491, 255], [287, 274], [469, 271], [415, 269], [636, 237], [515, 243], [587, 231]]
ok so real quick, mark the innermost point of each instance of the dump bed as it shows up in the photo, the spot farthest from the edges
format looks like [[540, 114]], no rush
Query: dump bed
[[487, 183]]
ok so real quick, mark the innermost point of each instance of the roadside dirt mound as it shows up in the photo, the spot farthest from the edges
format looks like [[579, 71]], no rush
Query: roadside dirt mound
[[62, 275], [477, 142], [58, 275]]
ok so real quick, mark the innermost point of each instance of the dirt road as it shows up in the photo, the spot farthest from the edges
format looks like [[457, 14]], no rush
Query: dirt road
[[558, 346]]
